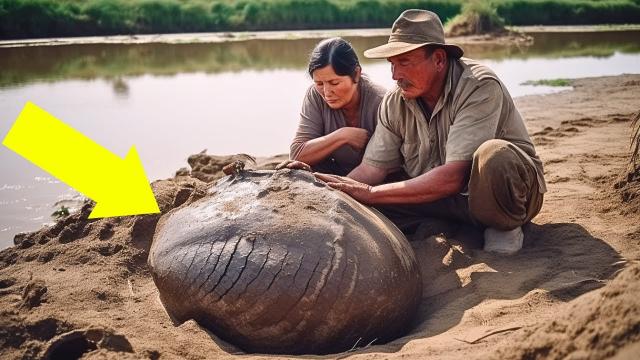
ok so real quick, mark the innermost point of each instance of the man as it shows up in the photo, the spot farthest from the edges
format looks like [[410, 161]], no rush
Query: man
[[453, 127]]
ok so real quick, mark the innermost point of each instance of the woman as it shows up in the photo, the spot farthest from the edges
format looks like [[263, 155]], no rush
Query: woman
[[339, 111]]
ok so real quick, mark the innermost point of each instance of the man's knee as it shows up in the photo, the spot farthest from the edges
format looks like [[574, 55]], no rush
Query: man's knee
[[495, 155], [500, 184]]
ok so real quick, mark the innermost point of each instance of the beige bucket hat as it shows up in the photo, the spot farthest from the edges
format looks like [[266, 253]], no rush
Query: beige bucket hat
[[412, 29]]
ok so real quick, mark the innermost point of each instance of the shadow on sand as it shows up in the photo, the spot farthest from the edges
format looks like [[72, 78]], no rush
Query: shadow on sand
[[562, 260]]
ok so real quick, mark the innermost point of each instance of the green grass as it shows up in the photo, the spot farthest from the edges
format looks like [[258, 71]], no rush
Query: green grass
[[53, 18], [548, 82], [477, 17]]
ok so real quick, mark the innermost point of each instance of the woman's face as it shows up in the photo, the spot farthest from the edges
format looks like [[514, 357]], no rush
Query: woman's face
[[337, 91]]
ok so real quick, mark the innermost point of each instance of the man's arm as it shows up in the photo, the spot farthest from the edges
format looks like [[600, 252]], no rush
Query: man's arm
[[438, 183], [368, 174]]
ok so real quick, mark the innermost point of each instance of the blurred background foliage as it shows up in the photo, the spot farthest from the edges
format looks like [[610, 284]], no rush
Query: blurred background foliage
[[57, 18]]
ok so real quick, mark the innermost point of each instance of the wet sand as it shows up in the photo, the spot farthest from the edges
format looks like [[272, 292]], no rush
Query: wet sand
[[571, 292]]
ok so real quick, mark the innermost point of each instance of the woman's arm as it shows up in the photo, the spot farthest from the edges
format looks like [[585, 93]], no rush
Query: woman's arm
[[316, 150]]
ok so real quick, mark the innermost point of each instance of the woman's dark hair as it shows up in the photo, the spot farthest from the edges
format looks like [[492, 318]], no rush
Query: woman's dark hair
[[336, 52]]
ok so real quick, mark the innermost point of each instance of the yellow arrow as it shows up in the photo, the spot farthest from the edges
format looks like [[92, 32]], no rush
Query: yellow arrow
[[119, 187]]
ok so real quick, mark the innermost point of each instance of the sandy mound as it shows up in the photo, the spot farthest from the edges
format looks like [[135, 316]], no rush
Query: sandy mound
[[82, 287], [77, 262], [208, 168], [627, 189], [596, 325]]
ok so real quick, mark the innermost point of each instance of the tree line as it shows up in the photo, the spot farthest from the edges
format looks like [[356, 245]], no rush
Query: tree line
[[58, 18]]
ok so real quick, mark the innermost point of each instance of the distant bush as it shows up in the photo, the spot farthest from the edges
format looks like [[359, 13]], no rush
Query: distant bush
[[323, 14], [568, 12], [36, 18], [51, 18], [107, 16], [477, 17]]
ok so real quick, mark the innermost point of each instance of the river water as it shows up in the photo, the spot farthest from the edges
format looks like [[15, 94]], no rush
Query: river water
[[173, 100]]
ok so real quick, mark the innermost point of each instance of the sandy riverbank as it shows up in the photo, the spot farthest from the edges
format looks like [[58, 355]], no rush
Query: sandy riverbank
[[218, 37], [572, 291]]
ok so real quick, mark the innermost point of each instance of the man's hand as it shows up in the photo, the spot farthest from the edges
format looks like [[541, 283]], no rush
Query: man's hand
[[357, 190], [293, 164]]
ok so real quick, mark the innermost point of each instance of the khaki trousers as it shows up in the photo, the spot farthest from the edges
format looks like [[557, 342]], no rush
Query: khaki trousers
[[503, 193]]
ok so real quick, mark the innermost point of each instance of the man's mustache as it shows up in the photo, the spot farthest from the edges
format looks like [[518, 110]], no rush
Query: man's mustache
[[404, 84]]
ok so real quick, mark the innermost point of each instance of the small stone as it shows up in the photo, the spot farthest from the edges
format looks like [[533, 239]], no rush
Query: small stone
[[152, 354], [115, 342], [46, 256], [23, 242], [7, 282], [30, 257], [106, 232], [183, 172], [19, 238], [34, 294]]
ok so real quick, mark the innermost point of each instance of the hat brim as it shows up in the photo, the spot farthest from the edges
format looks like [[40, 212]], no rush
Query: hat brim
[[396, 48]]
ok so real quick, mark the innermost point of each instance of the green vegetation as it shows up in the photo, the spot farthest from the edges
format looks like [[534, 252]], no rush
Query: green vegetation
[[46, 18], [61, 213], [549, 82], [52, 18], [477, 17], [568, 12]]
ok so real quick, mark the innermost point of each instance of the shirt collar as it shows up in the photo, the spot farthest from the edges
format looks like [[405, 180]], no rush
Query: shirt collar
[[451, 82]]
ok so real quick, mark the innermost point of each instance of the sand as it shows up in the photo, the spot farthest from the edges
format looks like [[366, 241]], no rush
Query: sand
[[219, 37], [82, 287]]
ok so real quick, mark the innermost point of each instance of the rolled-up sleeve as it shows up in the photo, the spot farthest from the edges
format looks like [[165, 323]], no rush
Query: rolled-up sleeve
[[311, 124], [475, 122], [383, 150]]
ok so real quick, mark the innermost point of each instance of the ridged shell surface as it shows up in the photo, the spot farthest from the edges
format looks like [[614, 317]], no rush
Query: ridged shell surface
[[277, 262]]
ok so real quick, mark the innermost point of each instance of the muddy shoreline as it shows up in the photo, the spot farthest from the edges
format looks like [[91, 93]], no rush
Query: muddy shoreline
[[217, 37]]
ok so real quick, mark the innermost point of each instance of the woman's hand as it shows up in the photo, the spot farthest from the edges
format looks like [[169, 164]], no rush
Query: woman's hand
[[293, 164], [355, 137]]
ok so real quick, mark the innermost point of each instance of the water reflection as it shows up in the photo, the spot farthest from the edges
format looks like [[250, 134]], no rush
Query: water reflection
[[108, 61], [120, 87], [112, 61]]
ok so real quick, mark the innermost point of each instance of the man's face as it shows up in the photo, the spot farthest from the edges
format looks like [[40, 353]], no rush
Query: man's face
[[414, 72]]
